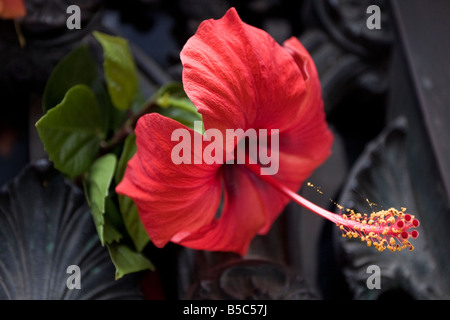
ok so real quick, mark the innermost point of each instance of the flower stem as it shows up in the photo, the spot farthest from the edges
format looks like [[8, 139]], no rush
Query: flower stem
[[19, 33], [294, 196], [127, 127]]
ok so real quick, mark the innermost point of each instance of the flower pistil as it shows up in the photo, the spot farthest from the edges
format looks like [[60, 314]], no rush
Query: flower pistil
[[385, 229]]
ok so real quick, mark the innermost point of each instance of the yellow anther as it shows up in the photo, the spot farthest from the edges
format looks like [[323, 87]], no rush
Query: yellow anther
[[378, 229], [392, 241]]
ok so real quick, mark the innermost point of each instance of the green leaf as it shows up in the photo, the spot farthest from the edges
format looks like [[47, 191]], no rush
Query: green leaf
[[112, 213], [109, 234], [133, 223], [127, 260], [180, 103], [173, 103], [96, 186], [180, 115], [107, 219], [128, 209], [77, 67], [119, 69], [129, 149], [72, 131]]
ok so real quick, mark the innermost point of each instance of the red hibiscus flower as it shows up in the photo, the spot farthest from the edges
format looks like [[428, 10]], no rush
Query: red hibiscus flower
[[11, 9], [238, 77]]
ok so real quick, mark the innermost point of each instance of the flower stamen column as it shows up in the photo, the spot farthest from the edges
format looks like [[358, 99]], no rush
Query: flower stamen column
[[385, 229]]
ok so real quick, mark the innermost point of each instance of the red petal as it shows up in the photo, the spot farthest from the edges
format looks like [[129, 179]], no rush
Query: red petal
[[244, 214], [308, 139], [170, 198], [239, 77], [306, 65], [299, 157], [307, 143], [10, 9]]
